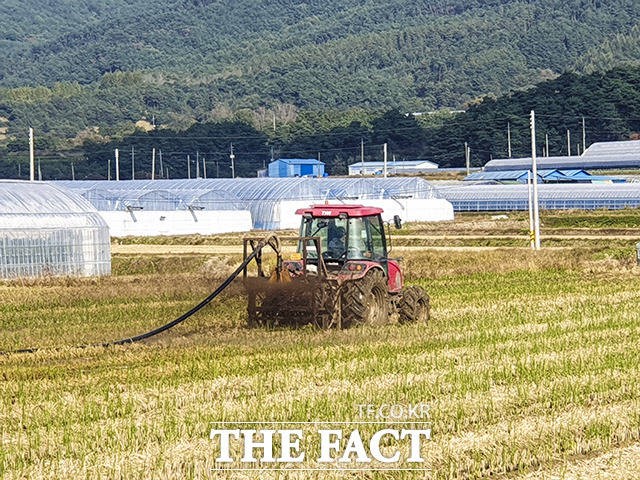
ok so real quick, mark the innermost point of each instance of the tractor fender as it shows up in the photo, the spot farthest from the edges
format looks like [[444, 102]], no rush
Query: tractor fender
[[396, 280], [357, 269]]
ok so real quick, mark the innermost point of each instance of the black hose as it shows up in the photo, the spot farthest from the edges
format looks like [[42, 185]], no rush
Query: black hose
[[177, 321]]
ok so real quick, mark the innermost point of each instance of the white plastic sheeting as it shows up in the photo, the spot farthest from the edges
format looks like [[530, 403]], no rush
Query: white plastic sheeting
[[409, 210], [46, 230], [263, 197], [178, 222]]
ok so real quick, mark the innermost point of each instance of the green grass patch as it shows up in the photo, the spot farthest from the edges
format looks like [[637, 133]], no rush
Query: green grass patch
[[528, 358]]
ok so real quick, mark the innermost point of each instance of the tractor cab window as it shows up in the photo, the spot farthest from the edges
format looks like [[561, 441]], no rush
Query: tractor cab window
[[359, 244], [377, 238], [332, 233], [366, 239], [359, 238]]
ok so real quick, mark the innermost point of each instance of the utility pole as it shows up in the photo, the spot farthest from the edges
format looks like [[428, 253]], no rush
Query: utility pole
[[153, 163], [531, 227], [217, 170], [584, 136], [39, 171], [546, 143], [117, 165], [160, 159], [32, 163], [362, 151], [197, 164], [568, 143], [384, 150], [466, 157], [109, 168], [536, 212], [188, 167], [167, 173], [133, 163], [509, 138], [274, 122], [232, 157], [73, 172], [204, 166]]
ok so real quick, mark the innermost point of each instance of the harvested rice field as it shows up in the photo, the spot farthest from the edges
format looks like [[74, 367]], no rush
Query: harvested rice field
[[529, 365]]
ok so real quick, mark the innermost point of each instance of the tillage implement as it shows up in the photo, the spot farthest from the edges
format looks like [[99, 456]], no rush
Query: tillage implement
[[342, 275]]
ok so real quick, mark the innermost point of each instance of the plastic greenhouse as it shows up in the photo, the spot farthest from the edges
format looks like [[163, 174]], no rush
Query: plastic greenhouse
[[47, 230], [271, 201], [552, 197]]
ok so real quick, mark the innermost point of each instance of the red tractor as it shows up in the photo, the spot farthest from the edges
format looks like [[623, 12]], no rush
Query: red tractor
[[342, 276]]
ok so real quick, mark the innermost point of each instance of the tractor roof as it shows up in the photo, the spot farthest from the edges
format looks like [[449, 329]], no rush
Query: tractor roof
[[337, 210]]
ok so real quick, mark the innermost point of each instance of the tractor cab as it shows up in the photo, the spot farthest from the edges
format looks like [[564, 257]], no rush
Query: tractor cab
[[351, 240], [346, 232]]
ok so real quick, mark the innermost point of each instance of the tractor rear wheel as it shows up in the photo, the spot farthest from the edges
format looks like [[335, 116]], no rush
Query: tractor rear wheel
[[414, 306], [365, 301]]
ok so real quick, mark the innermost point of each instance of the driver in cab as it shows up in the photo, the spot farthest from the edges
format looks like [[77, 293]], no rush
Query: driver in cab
[[338, 242]]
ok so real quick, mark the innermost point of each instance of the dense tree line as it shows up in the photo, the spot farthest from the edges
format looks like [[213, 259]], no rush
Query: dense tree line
[[190, 59], [609, 102]]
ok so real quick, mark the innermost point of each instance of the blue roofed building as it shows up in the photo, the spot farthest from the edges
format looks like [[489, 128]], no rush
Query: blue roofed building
[[509, 176], [544, 176], [296, 167]]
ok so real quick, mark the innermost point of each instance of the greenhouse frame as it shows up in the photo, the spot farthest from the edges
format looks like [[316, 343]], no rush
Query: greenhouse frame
[[271, 201], [49, 231]]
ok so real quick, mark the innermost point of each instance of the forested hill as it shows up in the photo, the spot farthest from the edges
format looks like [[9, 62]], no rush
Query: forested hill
[[608, 102], [407, 54], [25, 24]]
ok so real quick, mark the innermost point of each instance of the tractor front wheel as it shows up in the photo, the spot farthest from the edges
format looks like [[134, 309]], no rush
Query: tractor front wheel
[[364, 301], [414, 306]]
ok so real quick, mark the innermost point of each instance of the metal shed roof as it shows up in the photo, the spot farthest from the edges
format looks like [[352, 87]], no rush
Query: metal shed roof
[[566, 163], [629, 147], [395, 164], [506, 175], [299, 161]]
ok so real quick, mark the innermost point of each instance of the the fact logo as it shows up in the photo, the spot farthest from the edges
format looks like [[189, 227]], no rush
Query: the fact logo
[[386, 437]]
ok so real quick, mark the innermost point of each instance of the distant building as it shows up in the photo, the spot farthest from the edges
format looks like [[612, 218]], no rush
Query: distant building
[[599, 156], [509, 176], [629, 149], [393, 168], [296, 167], [544, 176]]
